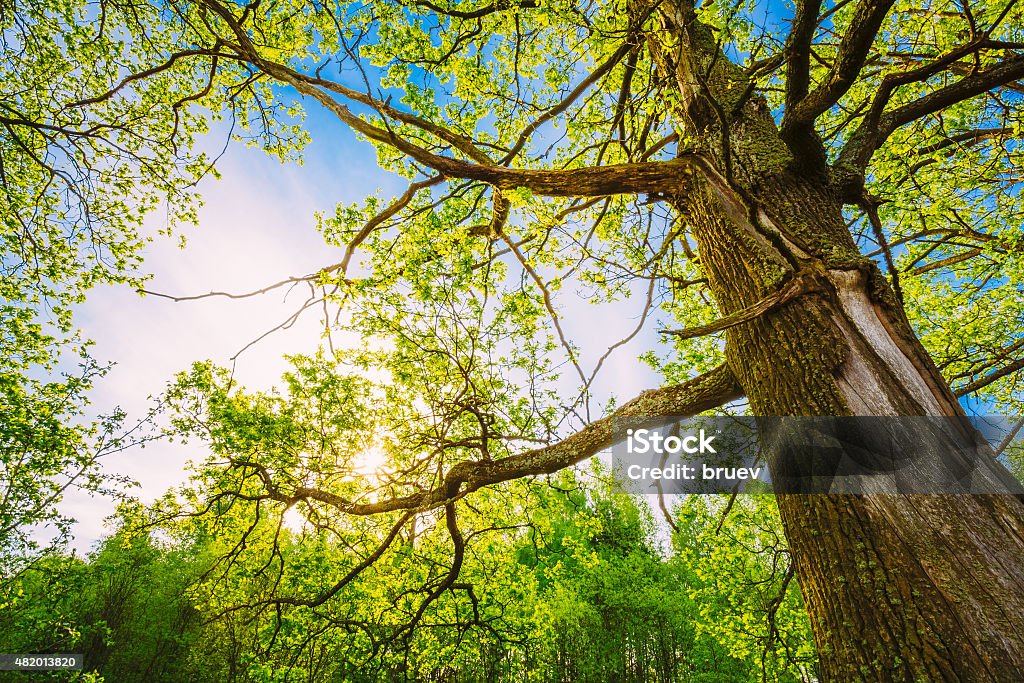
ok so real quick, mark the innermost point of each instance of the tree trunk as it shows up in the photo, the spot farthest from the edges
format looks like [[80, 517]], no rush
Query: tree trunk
[[898, 587]]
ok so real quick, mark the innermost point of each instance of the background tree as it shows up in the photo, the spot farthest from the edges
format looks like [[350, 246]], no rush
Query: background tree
[[124, 608], [689, 155], [85, 155], [577, 590]]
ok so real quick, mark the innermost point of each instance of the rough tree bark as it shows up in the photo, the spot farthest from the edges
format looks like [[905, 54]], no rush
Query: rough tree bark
[[898, 587]]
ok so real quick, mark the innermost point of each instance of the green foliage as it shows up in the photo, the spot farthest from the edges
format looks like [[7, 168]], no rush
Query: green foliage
[[123, 608], [555, 580], [566, 582], [40, 454], [740, 574], [88, 150]]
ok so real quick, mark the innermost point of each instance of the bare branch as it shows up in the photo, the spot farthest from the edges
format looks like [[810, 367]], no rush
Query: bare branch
[[375, 223], [853, 50], [353, 573], [596, 75], [141, 75]]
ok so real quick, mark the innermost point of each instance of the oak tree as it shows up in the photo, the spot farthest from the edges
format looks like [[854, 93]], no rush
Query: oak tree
[[834, 190]]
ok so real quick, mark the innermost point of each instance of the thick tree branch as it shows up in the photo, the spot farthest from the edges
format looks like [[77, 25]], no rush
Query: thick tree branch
[[588, 182], [946, 262], [247, 52], [993, 376], [480, 12], [710, 390], [797, 52], [807, 281], [460, 142], [585, 182], [1006, 71], [893, 81]]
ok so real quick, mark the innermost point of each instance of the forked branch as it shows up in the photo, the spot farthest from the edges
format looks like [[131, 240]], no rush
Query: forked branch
[[807, 281]]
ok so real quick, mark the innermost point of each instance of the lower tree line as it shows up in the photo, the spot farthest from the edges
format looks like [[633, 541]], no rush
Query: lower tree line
[[586, 587]]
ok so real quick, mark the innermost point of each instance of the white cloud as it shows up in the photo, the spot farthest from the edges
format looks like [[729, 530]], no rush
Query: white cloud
[[256, 228]]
